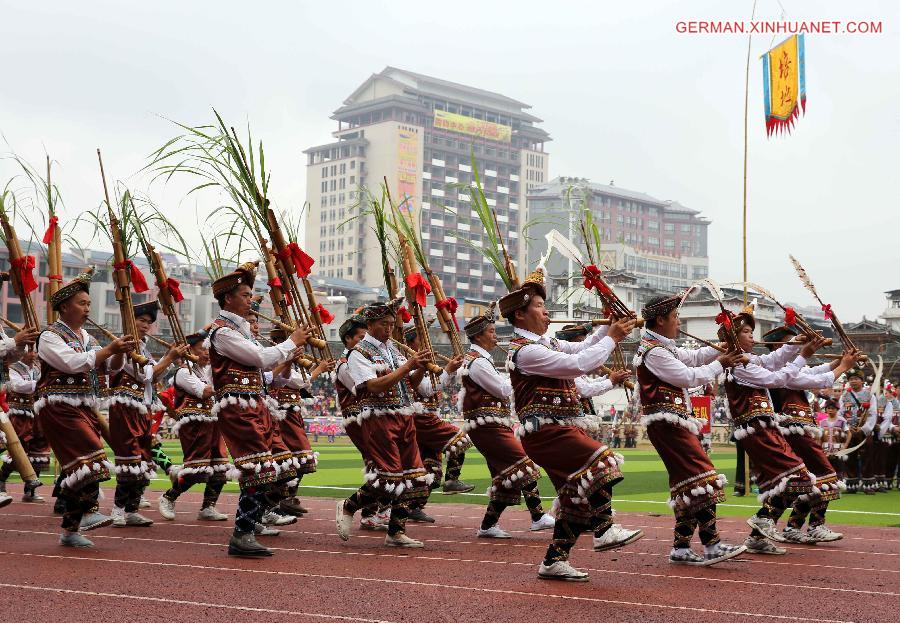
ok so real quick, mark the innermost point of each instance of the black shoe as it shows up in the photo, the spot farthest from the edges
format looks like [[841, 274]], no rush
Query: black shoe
[[456, 486], [420, 516], [246, 546], [739, 492]]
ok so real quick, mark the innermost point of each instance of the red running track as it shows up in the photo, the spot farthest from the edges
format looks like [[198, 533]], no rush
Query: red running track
[[179, 571]]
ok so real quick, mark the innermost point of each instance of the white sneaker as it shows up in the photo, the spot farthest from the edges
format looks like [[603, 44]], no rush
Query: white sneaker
[[616, 537], [136, 520], [561, 570], [401, 540], [372, 523], [721, 552], [210, 513], [546, 522], [494, 532], [166, 508], [118, 517], [766, 526], [5, 499], [262, 530], [794, 535], [762, 545], [274, 519], [343, 522], [145, 503], [823, 533]]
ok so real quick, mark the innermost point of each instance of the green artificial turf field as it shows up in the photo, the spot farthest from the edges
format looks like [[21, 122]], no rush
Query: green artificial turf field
[[645, 488]]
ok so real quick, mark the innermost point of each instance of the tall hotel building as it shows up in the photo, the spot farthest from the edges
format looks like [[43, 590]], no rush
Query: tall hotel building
[[420, 133]]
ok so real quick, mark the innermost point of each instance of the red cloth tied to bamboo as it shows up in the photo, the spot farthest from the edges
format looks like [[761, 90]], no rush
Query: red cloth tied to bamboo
[[276, 283], [420, 287], [137, 277], [324, 315], [828, 313], [592, 278], [451, 306], [58, 278], [790, 316], [724, 319], [404, 314], [51, 229], [293, 255], [25, 265], [3, 403], [174, 288]]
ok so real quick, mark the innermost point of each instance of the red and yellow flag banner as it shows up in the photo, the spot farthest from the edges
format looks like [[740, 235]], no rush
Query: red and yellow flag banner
[[784, 84]]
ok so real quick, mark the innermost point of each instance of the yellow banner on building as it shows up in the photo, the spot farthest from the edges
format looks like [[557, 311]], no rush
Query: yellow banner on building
[[784, 84], [474, 127]]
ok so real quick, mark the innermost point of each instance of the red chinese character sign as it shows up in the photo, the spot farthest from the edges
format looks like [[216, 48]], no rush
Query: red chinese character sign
[[784, 84], [702, 405]]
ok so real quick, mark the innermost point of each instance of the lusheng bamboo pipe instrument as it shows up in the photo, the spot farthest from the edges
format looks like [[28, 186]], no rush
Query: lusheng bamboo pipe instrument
[[135, 356], [18, 264], [54, 252], [17, 452], [596, 322], [313, 341], [169, 345], [432, 367], [702, 341]]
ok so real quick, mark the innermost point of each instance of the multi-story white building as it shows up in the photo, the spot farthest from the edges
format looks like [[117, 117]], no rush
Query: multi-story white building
[[419, 133], [891, 313]]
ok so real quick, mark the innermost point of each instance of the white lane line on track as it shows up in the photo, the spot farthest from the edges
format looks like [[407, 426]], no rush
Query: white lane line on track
[[184, 602], [481, 542], [416, 583], [520, 564]]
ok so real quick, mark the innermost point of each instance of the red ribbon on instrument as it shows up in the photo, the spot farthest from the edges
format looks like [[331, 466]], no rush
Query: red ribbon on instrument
[[174, 288], [25, 265], [292, 254], [3, 403], [420, 287], [451, 306], [275, 282], [591, 276], [828, 314], [324, 315], [58, 278], [51, 229], [404, 314], [724, 318], [137, 277], [790, 316]]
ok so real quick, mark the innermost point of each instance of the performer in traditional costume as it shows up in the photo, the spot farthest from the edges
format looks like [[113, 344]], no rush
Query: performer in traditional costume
[[664, 373], [384, 382], [243, 416], [66, 398], [797, 423], [205, 457], [887, 405], [780, 474], [373, 517], [583, 470], [11, 350], [861, 412], [834, 437], [890, 434], [291, 391], [435, 436], [23, 376], [484, 402]]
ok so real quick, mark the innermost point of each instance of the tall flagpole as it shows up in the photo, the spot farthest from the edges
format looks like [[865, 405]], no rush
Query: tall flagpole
[[746, 105]]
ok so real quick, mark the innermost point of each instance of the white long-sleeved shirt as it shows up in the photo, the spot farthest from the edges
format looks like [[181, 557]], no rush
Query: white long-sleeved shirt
[[192, 384], [425, 388], [573, 359], [23, 381], [61, 356], [343, 376], [294, 380], [682, 367], [849, 409], [778, 358], [588, 387], [809, 377], [240, 346], [483, 373], [8, 349], [362, 370]]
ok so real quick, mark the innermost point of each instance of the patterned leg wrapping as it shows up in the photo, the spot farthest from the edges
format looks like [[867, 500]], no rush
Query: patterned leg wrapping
[[492, 514], [798, 514], [706, 525], [5, 471], [365, 497], [455, 465], [251, 506], [78, 502], [161, 459], [213, 489], [817, 514], [399, 514], [533, 500], [601, 507], [564, 536], [183, 483], [685, 524]]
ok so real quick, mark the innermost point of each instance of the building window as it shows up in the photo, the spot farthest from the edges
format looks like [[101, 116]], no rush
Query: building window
[[685, 228], [653, 225], [670, 228], [670, 244]]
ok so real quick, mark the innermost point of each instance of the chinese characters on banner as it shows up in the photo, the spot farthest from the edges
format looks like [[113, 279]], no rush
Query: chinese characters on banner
[[474, 127], [784, 84], [407, 166], [702, 406]]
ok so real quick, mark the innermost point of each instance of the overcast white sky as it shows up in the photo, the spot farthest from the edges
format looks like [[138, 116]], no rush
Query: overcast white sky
[[624, 96]]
